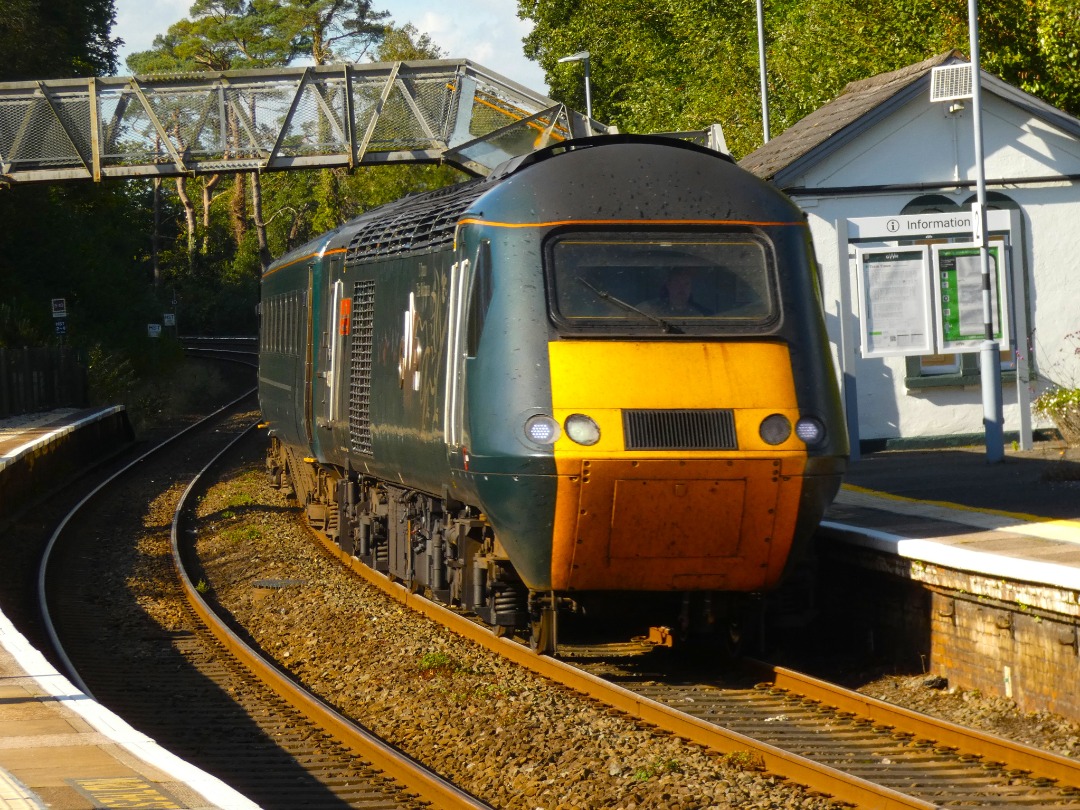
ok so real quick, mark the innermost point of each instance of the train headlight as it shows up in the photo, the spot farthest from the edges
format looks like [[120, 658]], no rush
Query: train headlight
[[541, 429], [810, 430], [775, 429], [582, 429]]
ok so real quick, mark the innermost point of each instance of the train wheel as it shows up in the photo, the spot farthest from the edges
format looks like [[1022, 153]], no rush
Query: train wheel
[[542, 638]]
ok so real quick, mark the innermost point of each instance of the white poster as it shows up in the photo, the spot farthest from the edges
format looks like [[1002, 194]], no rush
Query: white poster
[[895, 301]]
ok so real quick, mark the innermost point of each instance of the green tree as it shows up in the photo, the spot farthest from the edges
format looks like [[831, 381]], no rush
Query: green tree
[[230, 34], [304, 204], [42, 39], [661, 65], [330, 30], [82, 235]]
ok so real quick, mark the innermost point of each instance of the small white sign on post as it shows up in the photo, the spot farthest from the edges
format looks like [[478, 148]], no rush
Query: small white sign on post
[[153, 330]]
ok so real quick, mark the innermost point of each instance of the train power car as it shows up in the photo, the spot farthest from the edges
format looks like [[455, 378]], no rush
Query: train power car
[[598, 372]]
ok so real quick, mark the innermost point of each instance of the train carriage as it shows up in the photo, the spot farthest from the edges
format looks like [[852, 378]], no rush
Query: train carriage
[[602, 369]]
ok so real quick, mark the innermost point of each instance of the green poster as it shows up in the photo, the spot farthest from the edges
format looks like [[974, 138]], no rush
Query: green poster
[[960, 295]]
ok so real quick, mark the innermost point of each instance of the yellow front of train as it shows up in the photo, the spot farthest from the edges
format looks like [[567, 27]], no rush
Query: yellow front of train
[[688, 449], [633, 516]]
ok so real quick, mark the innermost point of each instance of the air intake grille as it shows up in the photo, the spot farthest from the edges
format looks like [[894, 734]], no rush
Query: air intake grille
[[680, 430], [363, 321], [423, 221]]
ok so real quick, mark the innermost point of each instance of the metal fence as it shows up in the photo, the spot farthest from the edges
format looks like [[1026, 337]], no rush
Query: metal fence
[[40, 379]]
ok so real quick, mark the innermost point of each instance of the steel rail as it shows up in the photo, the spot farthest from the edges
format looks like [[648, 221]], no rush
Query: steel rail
[[1013, 755], [43, 604], [383, 756], [841, 786]]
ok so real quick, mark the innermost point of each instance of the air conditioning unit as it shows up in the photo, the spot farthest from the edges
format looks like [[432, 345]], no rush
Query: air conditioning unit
[[950, 82]]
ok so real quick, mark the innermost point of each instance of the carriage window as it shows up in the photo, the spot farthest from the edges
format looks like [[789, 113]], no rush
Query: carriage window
[[672, 283]]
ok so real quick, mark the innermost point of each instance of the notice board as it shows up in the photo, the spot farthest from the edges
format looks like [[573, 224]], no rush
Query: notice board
[[958, 296], [895, 298]]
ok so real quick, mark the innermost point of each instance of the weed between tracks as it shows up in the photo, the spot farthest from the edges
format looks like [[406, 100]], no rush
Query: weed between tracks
[[658, 768]]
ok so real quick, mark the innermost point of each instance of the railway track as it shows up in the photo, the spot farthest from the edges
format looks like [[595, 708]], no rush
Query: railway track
[[858, 750], [134, 632], [889, 756]]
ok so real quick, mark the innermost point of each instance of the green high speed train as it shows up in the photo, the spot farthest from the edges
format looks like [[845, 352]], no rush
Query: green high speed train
[[601, 370]]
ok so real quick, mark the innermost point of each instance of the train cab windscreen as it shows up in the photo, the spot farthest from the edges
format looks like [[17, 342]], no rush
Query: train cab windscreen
[[661, 283]]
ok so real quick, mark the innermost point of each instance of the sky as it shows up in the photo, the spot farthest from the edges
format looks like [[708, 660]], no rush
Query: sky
[[489, 33]]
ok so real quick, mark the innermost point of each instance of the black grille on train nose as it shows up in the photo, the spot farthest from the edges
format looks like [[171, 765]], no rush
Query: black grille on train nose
[[680, 430]]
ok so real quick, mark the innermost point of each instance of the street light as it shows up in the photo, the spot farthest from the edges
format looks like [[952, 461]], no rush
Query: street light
[[583, 56], [990, 352]]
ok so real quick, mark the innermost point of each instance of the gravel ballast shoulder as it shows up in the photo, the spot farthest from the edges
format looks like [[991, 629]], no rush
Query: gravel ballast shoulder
[[503, 733]]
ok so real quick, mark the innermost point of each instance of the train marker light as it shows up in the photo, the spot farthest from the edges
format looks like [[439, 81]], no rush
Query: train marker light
[[810, 430], [775, 429], [542, 430], [582, 429]]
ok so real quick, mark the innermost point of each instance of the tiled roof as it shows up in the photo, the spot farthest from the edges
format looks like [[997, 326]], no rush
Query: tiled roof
[[856, 100]]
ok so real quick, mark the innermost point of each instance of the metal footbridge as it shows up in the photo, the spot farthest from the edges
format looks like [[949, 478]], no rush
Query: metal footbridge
[[451, 111]]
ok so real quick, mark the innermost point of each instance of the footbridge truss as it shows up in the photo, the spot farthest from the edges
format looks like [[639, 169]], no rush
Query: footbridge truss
[[451, 111]]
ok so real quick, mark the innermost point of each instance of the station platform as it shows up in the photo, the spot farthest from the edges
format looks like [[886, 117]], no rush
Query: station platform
[[38, 450], [1018, 518], [59, 749]]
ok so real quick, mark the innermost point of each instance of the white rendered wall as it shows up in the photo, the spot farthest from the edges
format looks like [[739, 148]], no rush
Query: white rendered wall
[[920, 143]]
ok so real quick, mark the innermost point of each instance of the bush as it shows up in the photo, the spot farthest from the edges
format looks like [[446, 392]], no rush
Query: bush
[[1061, 402], [1062, 406]]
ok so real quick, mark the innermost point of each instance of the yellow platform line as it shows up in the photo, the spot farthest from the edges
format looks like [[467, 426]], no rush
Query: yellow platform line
[[1067, 531]]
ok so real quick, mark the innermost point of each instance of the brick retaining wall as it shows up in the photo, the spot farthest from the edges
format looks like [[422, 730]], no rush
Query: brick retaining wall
[[1004, 638]]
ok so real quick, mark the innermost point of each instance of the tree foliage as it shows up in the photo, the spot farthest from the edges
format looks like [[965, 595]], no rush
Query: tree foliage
[[46, 39], [660, 65], [73, 242], [215, 247]]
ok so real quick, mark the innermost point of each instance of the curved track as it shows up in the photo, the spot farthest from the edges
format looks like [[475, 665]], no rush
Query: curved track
[[133, 632], [856, 749]]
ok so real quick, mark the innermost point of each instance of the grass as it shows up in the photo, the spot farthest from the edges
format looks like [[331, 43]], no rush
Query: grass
[[241, 534], [657, 768], [743, 761]]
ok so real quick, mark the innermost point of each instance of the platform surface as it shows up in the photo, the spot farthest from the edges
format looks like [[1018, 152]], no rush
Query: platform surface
[[60, 749], [1018, 518]]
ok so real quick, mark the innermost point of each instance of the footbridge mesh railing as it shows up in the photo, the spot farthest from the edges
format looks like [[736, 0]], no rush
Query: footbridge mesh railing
[[451, 111]]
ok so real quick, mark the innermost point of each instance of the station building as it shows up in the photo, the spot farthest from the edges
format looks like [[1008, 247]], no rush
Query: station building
[[886, 177]]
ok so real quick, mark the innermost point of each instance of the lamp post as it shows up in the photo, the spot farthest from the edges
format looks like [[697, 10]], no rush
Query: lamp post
[[990, 353], [761, 68], [583, 56]]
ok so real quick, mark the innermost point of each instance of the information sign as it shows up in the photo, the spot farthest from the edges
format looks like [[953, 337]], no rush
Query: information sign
[[895, 301], [59, 307], [958, 296], [153, 330], [169, 319]]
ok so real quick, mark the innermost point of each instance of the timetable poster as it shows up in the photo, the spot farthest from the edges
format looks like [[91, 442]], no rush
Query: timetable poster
[[895, 297], [959, 297]]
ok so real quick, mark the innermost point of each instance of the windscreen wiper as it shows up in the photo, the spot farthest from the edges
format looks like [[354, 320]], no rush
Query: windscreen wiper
[[603, 295]]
